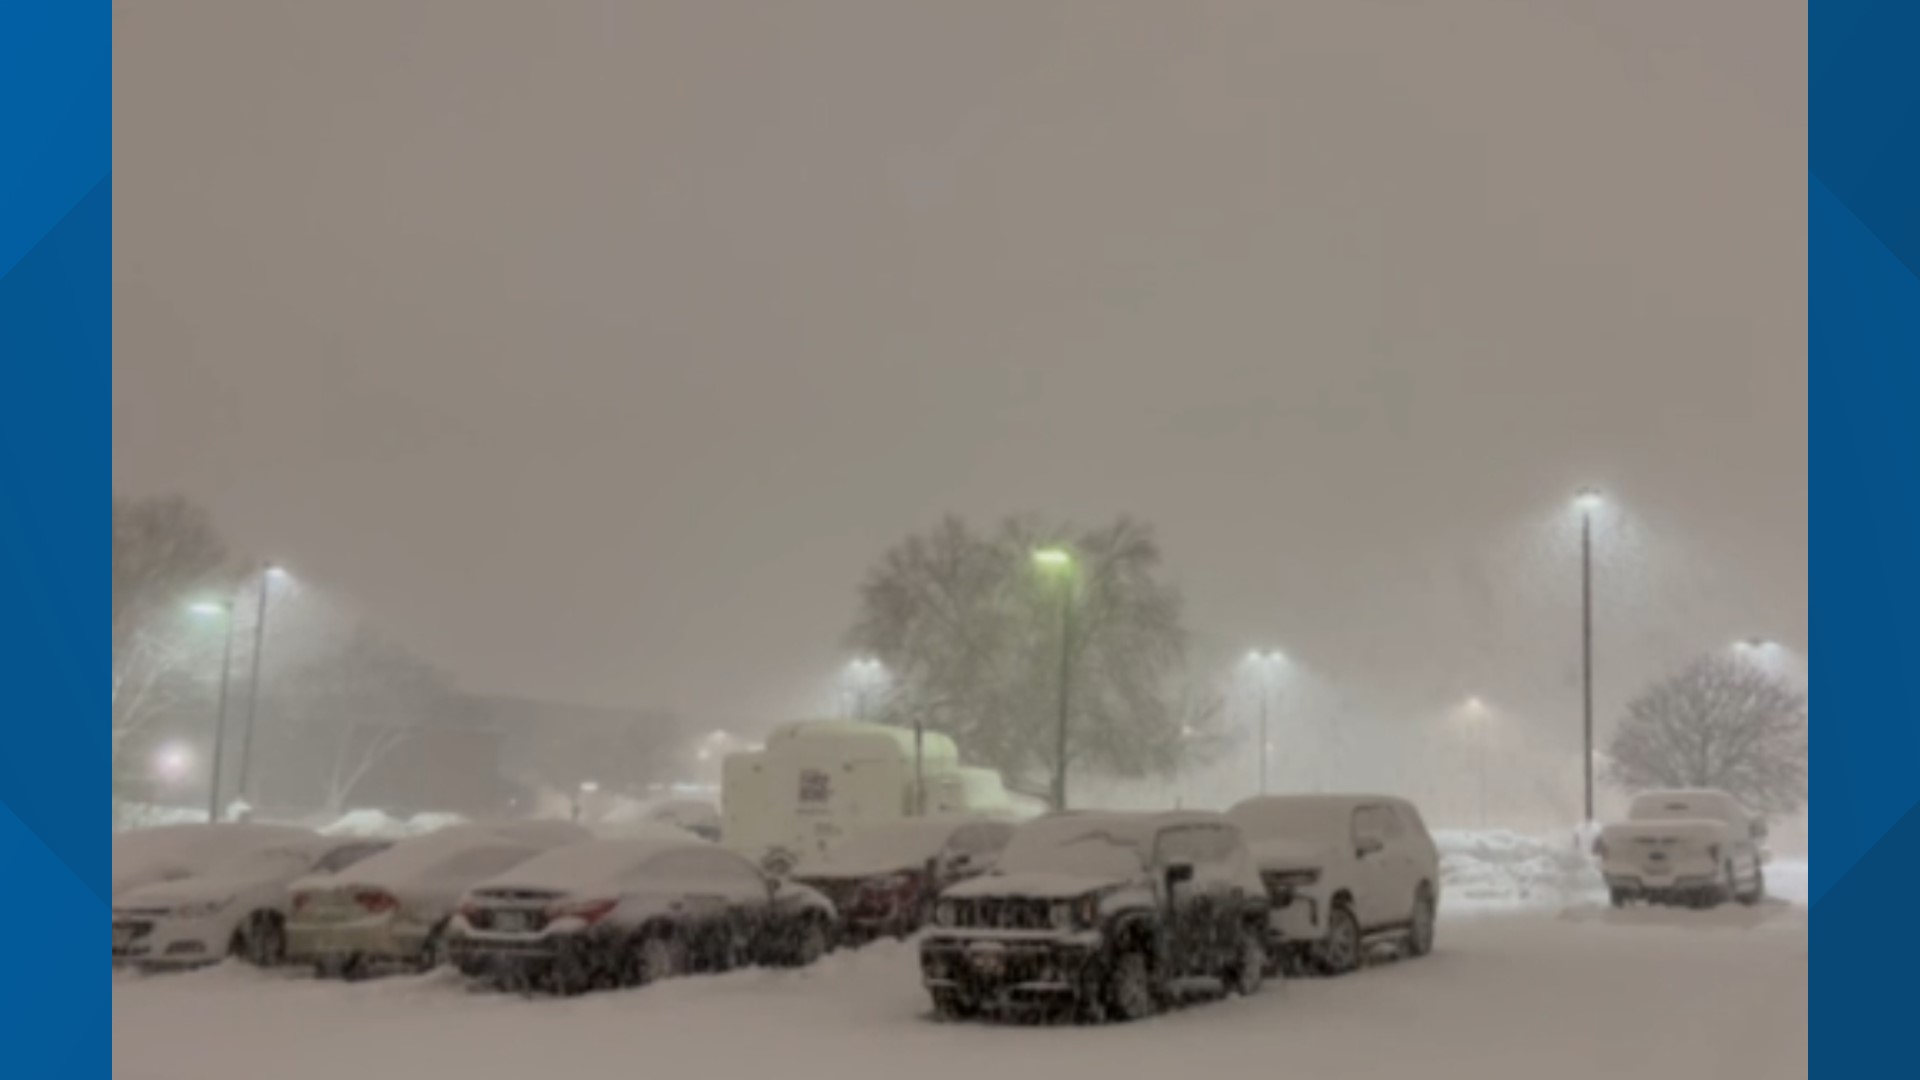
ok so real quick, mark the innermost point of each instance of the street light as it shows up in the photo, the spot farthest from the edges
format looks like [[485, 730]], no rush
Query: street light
[[172, 762], [1264, 660], [209, 609], [1589, 500], [269, 573], [1479, 718], [1057, 562]]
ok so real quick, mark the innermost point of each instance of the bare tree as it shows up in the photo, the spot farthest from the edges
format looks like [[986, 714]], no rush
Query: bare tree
[[971, 635], [166, 554], [342, 714], [1722, 723]]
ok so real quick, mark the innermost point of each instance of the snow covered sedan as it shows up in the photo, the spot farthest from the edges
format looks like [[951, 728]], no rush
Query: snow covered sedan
[[174, 852], [1343, 872], [1103, 915], [392, 909], [1698, 848], [236, 907], [626, 912], [883, 880]]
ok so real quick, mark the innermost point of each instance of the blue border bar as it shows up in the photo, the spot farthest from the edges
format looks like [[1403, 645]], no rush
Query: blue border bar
[[56, 338], [1863, 344]]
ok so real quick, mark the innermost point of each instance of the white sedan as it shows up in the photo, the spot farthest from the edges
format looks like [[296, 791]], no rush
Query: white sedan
[[235, 908]]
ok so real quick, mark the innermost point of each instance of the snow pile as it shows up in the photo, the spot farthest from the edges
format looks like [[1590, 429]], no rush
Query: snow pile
[[128, 816], [1500, 867], [378, 823]]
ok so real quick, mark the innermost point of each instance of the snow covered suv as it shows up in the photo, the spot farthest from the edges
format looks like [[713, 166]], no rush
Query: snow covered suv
[[1698, 848], [1109, 915], [1342, 872]]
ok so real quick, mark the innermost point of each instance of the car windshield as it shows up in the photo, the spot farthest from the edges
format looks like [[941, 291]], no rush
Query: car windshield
[[268, 863], [1090, 851], [1679, 808]]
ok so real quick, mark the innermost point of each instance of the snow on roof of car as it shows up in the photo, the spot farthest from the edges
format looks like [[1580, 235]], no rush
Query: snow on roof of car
[[171, 852], [879, 739], [596, 862], [894, 845], [1304, 816], [423, 857], [1685, 803]]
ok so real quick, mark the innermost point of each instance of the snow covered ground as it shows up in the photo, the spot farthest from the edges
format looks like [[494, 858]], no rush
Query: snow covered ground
[[1524, 993]]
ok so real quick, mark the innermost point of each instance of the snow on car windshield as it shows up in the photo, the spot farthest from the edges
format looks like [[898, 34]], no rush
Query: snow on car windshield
[[263, 864], [1092, 850], [1680, 806], [1302, 817]]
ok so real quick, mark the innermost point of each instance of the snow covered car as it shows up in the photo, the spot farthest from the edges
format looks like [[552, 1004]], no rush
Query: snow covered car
[[174, 852], [237, 907], [883, 880], [1106, 915], [392, 909], [1343, 872], [1699, 848], [626, 912]]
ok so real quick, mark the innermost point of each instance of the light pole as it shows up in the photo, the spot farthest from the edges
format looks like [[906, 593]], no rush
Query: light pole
[[1476, 711], [225, 611], [1588, 500], [1057, 563], [268, 573], [1263, 661]]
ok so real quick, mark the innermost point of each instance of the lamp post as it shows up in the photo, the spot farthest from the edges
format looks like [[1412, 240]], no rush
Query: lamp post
[[1263, 661], [1057, 563], [268, 574], [1588, 499], [225, 611], [1476, 711]]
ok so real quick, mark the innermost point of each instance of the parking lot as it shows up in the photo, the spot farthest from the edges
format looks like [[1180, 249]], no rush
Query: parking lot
[[1524, 994]]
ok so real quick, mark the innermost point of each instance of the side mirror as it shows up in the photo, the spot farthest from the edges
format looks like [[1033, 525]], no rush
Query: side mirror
[[1367, 845], [1179, 874]]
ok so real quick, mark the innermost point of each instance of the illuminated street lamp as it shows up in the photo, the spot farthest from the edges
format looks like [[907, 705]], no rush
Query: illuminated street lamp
[[1480, 719], [1057, 563], [172, 762]]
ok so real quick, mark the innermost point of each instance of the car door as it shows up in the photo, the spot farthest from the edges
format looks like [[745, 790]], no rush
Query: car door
[[1372, 876]]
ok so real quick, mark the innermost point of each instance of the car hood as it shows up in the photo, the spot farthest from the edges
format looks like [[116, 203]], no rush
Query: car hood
[[1281, 854], [1036, 886], [175, 893]]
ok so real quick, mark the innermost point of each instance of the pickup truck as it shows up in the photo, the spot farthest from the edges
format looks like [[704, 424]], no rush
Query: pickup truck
[[1695, 848]]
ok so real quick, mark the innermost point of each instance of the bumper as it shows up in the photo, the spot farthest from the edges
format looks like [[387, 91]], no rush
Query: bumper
[[1301, 918], [1679, 887], [369, 939], [550, 959], [165, 942], [1009, 973]]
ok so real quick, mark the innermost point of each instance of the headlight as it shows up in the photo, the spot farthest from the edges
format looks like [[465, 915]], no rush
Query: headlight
[[945, 913], [201, 910], [1087, 911]]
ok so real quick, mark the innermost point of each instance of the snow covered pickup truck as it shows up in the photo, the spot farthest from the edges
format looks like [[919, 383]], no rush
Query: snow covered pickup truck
[[1698, 848], [1343, 872], [1108, 916]]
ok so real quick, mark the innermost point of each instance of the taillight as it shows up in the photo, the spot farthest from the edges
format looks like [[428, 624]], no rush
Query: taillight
[[374, 902], [587, 911]]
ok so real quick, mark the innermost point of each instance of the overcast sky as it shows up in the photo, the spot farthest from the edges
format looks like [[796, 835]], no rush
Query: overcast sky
[[595, 349]]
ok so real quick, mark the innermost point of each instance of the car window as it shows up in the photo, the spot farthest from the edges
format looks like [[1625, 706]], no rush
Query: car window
[[1371, 823], [342, 857], [706, 870], [484, 862], [1200, 845], [1411, 824]]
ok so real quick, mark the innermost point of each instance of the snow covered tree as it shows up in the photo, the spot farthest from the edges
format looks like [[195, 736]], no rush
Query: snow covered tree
[[166, 555], [970, 630], [1722, 723]]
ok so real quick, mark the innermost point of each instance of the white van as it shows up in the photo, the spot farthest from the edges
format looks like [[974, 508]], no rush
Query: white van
[[817, 782]]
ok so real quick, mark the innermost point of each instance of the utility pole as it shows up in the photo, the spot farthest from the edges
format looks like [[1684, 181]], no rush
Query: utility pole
[[220, 717], [267, 574], [1058, 563], [1588, 499]]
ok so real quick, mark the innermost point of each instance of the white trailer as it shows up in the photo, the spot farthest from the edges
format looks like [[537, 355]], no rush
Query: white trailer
[[815, 783]]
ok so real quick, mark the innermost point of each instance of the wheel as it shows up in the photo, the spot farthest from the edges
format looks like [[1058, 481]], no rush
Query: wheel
[[1249, 970], [1131, 993], [262, 942], [433, 951], [659, 956], [1420, 933], [1759, 891], [1618, 897], [810, 943], [1340, 951], [954, 1005]]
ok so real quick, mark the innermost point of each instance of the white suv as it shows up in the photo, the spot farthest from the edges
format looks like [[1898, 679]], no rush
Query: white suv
[[1342, 872]]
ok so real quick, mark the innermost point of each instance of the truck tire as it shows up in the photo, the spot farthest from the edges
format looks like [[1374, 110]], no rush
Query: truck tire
[[1343, 948], [950, 1005], [1249, 968], [1759, 891], [1420, 932], [1130, 990]]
